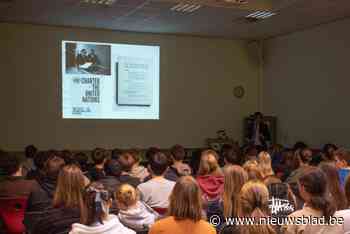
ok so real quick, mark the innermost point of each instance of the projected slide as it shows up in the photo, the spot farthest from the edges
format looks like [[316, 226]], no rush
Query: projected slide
[[109, 81]]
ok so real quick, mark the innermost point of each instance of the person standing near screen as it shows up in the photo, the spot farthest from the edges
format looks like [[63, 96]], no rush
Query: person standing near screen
[[258, 131]]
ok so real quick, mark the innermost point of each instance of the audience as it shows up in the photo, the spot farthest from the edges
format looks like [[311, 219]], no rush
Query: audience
[[82, 159], [95, 218], [14, 185], [111, 180], [302, 158], [156, 191], [68, 203], [39, 161], [126, 162], [185, 211], [28, 165], [42, 195], [231, 155], [264, 163], [132, 212], [99, 157], [178, 168]]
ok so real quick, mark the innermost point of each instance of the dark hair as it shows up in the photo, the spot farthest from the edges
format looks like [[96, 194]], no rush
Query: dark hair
[[68, 157], [99, 155], [40, 159], [116, 153], [82, 160], [112, 168], [94, 197], [30, 151], [126, 162], [256, 114], [158, 163], [53, 166], [314, 182], [178, 152], [151, 152], [334, 186], [10, 163], [230, 154], [299, 144], [326, 148], [347, 189]]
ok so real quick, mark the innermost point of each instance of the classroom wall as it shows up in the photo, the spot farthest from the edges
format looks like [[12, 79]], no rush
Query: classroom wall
[[197, 76], [306, 84]]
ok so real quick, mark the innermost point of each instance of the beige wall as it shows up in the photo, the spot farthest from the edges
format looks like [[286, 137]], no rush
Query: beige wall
[[306, 84], [196, 81]]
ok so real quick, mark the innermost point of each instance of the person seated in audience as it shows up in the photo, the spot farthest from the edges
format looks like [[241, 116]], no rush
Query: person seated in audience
[[345, 214], [116, 153], [328, 153], [95, 218], [231, 155], [210, 177], [342, 162], [39, 161], [99, 157], [250, 153], [253, 203], [264, 163], [68, 157], [276, 152], [287, 165], [28, 165], [111, 180], [334, 186], [313, 189], [185, 211], [156, 191], [126, 162], [68, 204], [235, 177], [178, 167], [132, 212], [82, 159], [302, 159], [253, 170], [138, 170], [41, 196], [14, 184]]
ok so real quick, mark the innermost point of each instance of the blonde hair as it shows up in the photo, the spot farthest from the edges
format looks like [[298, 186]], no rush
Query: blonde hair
[[235, 178], [253, 171], [209, 163], [253, 202], [264, 163], [185, 200], [127, 195]]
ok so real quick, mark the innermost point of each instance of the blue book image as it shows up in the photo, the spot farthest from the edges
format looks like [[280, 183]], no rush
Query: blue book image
[[343, 173]]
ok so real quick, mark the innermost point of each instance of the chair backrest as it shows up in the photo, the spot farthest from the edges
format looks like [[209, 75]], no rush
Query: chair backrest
[[12, 213]]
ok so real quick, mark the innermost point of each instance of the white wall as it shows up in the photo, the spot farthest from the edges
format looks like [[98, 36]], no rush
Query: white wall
[[196, 81], [306, 83]]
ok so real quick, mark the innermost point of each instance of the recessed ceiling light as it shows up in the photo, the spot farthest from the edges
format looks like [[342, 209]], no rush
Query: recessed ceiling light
[[99, 2], [259, 15], [185, 7]]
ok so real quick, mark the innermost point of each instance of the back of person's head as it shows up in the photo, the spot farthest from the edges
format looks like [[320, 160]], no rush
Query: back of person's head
[[30, 151], [99, 156], [250, 152], [209, 163], [126, 161], [97, 202], [230, 154], [254, 199], [185, 200], [70, 187], [299, 145], [342, 158], [235, 176], [271, 179], [150, 152], [68, 157], [328, 151], [253, 170], [314, 190], [178, 153], [126, 196], [334, 186], [40, 159], [10, 163], [112, 168], [82, 160], [116, 153], [264, 163], [53, 166], [135, 154], [158, 163]]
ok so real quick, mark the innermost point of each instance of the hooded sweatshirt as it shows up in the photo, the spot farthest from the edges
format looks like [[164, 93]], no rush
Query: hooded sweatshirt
[[139, 218], [212, 186], [110, 226]]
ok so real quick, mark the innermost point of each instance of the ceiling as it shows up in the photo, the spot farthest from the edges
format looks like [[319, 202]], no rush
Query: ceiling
[[214, 18]]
